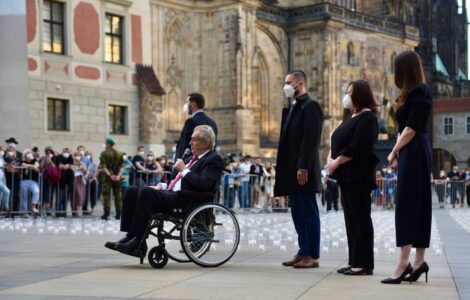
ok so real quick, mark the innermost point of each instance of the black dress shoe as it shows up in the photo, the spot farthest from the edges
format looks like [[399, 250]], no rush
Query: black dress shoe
[[131, 247], [342, 270], [359, 272], [112, 245], [408, 270], [105, 217]]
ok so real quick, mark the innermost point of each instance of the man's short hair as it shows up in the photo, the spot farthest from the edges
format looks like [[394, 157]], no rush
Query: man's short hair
[[140, 146], [299, 75], [198, 98], [206, 134]]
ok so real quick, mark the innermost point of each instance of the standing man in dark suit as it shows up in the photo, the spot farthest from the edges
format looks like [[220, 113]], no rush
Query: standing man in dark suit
[[198, 175], [193, 106], [298, 167]]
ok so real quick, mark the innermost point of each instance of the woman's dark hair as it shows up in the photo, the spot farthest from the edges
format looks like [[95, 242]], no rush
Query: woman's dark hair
[[198, 98], [362, 96], [409, 74]]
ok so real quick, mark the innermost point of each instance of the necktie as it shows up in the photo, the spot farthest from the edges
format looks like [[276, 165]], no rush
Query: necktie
[[178, 177], [288, 118]]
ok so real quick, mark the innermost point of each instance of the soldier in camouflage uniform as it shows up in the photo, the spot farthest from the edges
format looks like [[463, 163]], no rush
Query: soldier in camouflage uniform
[[111, 165]]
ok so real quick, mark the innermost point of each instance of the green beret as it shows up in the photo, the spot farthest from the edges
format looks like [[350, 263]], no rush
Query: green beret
[[110, 141]]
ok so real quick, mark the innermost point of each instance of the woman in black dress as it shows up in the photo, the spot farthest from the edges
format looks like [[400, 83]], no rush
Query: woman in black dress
[[412, 156], [353, 162]]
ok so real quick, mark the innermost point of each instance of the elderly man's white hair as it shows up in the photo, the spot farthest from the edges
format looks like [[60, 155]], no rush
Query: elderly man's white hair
[[206, 134]]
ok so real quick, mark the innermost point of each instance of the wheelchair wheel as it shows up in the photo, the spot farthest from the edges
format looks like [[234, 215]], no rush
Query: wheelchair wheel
[[210, 235], [158, 257], [173, 246]]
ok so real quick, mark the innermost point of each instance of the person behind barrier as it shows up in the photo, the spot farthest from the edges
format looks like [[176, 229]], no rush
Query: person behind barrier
[[111, 164], [138, 161], [13, 143], [194, 107], [65, 162], [256, 172], [440, 187], [153, 171], [12, 174], [268, 185], [91, 185], [4, 190], [454, 177], [198, 176], [80, 172], [29, 182], [51, 177]]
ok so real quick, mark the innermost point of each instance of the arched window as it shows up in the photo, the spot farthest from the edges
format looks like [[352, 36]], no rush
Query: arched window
[[392, 62], [351, 54]]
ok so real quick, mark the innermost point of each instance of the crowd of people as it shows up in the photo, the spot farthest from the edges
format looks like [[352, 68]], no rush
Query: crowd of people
[[55, 178]]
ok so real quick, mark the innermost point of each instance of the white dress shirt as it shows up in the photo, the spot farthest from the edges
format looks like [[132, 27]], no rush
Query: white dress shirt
[[177, 185]]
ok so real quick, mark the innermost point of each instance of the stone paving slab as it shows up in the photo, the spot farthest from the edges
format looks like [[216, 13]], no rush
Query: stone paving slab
[[77, 266]]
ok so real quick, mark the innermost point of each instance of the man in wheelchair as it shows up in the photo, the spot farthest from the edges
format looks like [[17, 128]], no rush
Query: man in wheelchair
[[194, 181]]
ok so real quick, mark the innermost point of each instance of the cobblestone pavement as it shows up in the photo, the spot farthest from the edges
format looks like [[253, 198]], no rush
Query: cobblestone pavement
[[65, 259]]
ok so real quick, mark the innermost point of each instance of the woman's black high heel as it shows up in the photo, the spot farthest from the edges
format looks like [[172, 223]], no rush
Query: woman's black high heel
[[414, 276], [408, 270]]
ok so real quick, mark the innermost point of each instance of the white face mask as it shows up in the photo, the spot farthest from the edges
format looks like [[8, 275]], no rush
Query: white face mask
[[347, 102], [29, 156], [10, 153], [163, 161], [149, 157], [124, 157], [142, 153], [88, 156], [186, 109], [289, 91], [12, 145], [51, 155], [2, 153], [66, 155]]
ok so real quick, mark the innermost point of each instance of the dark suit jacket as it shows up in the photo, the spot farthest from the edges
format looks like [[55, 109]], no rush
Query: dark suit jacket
[[198, 119], [298, 147]]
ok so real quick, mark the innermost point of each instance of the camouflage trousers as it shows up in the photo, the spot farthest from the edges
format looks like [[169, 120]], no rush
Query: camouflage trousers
[[111, 188]]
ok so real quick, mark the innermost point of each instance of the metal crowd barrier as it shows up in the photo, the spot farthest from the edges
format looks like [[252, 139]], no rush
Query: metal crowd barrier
[[244, 192], [451, 192], [31, 195], [250, 192]]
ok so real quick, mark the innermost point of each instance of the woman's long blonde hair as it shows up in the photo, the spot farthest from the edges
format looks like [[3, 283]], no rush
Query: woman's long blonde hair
[[409, 74]]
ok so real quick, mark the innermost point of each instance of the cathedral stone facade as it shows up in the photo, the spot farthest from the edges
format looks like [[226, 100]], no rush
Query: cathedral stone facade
[[237, 54], [123, 68]]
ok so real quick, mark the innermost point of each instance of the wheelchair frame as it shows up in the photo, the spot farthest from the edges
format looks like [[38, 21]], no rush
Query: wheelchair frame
[[158, 256]]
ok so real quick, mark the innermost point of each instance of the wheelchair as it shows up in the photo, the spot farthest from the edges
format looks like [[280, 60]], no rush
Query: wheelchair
[[208, 235]]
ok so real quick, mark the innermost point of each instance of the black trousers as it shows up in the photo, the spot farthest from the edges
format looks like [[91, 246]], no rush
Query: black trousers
[[359, 228], [140, 204]]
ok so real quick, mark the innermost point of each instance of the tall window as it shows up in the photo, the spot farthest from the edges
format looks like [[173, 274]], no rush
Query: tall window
[[117, 119], [351, 54], [468, 124], [53, 27], [57, 114], [449, 126], [114, 39]]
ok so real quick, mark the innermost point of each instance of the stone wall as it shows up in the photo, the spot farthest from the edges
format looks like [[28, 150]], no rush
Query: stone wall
[[458, 141], [82, 77]]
